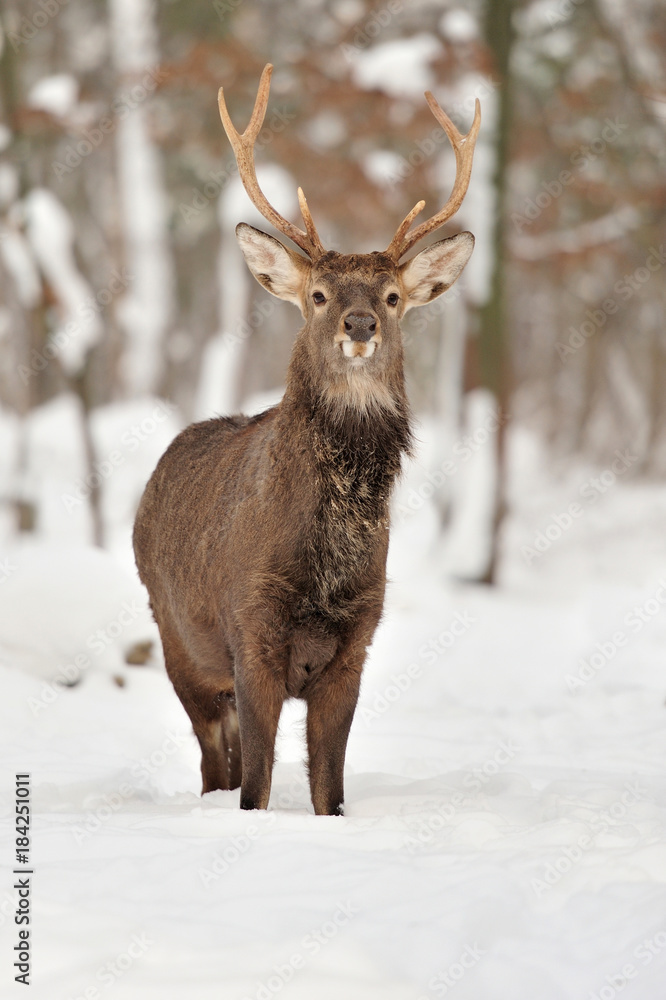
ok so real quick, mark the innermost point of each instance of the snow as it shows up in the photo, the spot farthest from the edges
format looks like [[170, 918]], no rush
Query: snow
[[325, 131], [381, 166], [55, 461], [19, 261], [225, 352], [478, 210], [605, 229], [146, 311], [349, 12], [277, 184], [51, 235], [474, 456], [458, 25], [128, 439], [56, 94], [505, 827], [48, 618], [400, 67], [558, 45]]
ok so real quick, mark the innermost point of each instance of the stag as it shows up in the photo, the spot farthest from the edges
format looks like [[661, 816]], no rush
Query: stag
[[262, 540]]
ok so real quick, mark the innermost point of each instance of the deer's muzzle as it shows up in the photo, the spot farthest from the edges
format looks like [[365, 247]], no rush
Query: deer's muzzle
[[360, 325]]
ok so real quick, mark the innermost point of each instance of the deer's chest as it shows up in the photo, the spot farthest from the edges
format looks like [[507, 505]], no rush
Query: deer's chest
[[349, 526]]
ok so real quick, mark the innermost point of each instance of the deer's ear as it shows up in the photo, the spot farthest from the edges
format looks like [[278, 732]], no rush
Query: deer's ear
[[435, 269], [281, 271]]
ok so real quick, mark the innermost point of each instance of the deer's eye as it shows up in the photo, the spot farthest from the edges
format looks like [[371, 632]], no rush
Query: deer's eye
[[318, 298], [392, 299]]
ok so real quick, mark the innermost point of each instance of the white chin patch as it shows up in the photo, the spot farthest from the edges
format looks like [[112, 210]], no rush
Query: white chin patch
[[358, 350]]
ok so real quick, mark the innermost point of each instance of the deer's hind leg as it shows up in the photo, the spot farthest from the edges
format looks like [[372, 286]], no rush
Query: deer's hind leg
[[221, 765], [204, 683]]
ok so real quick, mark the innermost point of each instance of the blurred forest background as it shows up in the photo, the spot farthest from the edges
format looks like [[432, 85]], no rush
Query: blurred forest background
[[121, 282]]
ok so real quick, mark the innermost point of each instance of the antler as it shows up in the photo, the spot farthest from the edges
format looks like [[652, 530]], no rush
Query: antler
[[463, 147], [243, 147]]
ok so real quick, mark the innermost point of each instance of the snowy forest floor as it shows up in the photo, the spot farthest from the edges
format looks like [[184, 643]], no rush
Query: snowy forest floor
[[505, 827]]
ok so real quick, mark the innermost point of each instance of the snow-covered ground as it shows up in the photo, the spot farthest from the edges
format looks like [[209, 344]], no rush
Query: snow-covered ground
[[505, 827]]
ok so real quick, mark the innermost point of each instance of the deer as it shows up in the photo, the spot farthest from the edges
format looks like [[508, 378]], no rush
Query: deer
[[262, 540]]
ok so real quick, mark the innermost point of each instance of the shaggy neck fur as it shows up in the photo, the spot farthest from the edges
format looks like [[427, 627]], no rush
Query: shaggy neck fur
[[356, 454]]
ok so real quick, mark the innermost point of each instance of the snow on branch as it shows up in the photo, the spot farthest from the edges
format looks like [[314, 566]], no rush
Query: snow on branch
[[606, 229]]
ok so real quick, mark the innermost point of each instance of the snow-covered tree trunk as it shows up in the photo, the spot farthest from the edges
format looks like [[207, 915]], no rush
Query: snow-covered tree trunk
[[224, 354], [147, 311], [466, 403], [448, 394], [51, 236], [493, 333]]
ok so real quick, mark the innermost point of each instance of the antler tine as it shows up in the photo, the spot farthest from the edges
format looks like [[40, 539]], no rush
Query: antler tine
[[261, 103], [309, 221], [463, 147], [243, 147], [396, 243]]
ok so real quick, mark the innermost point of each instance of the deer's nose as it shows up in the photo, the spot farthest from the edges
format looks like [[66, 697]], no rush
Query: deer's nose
[[359, 325]]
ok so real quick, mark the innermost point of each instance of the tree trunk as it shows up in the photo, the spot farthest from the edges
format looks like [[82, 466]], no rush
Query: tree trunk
[[493, 341]]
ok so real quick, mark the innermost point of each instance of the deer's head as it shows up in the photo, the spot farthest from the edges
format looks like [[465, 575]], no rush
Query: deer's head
[[352, 303]]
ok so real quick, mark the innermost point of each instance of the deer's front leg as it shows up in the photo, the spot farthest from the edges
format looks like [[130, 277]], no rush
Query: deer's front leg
[[260, 693], [331, 703]]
